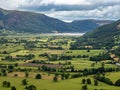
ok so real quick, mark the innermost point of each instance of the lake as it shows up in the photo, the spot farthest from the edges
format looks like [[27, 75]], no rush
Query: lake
[[63, 34]]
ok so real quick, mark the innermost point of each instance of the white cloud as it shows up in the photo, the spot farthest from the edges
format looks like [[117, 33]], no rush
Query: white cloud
[[72, 2], [110, 12], [104, 9], [13, 4]]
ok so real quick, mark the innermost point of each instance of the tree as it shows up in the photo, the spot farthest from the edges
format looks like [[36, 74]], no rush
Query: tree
[[67, 76], [55, 78], [84, 87], [62, 76], [38, 76], [6, 84], [117, 83], [31, 87], [83, 81], [24, 82], [3, 72], [95, 83], [88, 50], [10, 67], [16, 64], [108, 81], [4, 52], [26, 74], [88, 81], [13, 88]]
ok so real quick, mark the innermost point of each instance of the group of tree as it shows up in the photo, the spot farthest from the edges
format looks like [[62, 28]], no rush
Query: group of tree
[[19, 57], [107, 80], [8, 85], [86, 81], [84, 87], [28, 87], [54, 57], [103, 79], [100, 57], [65, 76]]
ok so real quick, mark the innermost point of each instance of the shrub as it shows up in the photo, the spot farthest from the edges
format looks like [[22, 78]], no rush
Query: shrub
[[38, 76], [117, 83]]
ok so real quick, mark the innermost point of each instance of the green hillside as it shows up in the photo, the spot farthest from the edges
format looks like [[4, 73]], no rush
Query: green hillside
[[105, 36]]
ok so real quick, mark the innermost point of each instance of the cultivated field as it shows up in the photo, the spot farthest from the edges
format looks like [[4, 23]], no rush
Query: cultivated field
[[23, 57]]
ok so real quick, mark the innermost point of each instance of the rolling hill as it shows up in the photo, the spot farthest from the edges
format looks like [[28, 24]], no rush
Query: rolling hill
[[90, 24], [22, 21], [105, 36]]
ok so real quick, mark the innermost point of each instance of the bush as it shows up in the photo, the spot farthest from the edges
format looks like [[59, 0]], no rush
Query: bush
[[6, 84], [83, 81], [88, 81], [55, 79], [95, 83], [117, 83], [84, 87], [31, 87], [24, 82], [13, 88], [38, 76]]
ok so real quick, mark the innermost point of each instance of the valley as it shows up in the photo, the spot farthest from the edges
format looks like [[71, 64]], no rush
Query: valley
[[59, 45], [50, 63]]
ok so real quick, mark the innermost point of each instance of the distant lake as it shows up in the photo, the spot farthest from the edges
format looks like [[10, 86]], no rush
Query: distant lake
[[63, 34]]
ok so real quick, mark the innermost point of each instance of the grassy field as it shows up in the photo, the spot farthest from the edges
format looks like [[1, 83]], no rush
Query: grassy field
[[84, 52], [71, 84], [25, 45], [113, 76], [84, 63]]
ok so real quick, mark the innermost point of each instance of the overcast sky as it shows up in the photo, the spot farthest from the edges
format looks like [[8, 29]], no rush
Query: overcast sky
[[68, 10]]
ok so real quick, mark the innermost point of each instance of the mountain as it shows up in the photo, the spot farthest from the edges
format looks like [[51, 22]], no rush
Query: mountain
[[22, 21], [106, 36], [90, 24]]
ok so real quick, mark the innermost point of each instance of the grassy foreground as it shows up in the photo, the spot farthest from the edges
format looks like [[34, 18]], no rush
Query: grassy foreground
[[71, 84]]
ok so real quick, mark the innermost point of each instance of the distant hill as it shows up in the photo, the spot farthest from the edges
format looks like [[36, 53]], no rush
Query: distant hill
[[90, 24], [105, 36], [22, 21]]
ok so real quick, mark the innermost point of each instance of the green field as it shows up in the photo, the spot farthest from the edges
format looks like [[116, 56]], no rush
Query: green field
[[71, 84], [50, 50]]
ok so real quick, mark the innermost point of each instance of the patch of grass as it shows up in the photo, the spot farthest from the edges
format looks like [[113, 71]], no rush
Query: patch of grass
[[71, 84], [113, 76]]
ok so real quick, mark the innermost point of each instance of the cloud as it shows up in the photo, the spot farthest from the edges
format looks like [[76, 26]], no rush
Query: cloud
[[13, 4], [110, 12], [68, 9]]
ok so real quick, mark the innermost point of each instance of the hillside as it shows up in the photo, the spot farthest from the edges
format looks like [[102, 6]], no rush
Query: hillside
[[22, 21], [90, 24], [105, 36]]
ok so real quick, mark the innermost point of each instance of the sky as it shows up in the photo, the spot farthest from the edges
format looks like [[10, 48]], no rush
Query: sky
[[68, 10]]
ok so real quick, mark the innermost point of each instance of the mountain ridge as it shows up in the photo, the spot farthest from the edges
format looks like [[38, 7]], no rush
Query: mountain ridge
[[25, 21]]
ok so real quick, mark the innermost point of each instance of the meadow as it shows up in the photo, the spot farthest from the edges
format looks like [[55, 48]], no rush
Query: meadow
[[15, 51]]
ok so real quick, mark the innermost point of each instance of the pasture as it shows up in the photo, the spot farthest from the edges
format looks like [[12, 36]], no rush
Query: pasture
[[50, 56]]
